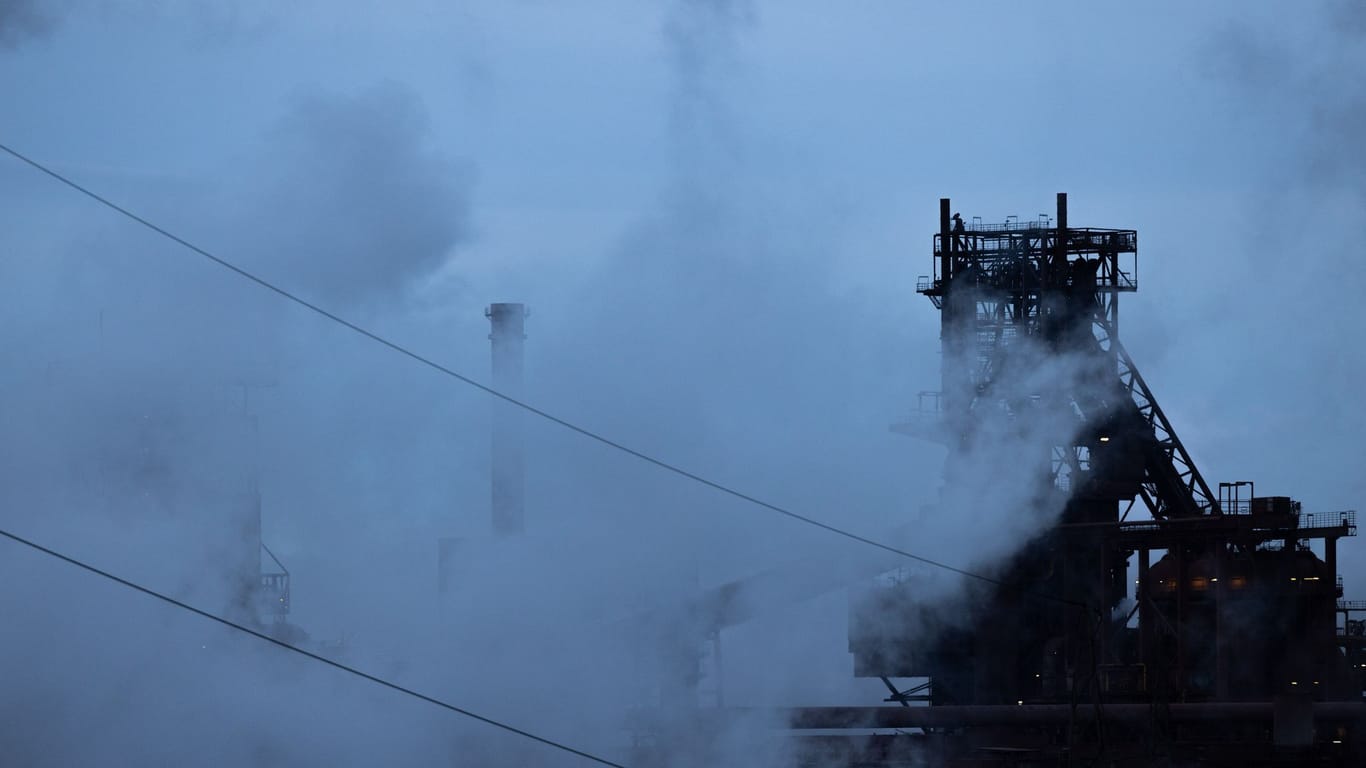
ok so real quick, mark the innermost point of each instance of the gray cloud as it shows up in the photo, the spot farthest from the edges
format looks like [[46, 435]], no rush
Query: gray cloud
[[730, 326], [1306, 103], [134, 443], [704, 43], [352, 201], [24, 20]]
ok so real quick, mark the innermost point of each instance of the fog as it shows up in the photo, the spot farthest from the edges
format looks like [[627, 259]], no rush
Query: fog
[[716, 212]]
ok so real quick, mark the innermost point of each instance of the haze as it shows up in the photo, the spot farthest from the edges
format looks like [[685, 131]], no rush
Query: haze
[[716, 212]]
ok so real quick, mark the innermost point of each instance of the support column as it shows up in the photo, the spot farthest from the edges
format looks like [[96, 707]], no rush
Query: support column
[[1060, 254], [1145, 613], [1330, 559], [1181, 578], [1221, 643], [945, 242]]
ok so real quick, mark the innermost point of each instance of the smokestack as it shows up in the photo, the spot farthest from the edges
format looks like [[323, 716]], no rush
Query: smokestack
[[507, 323], [247, 493]]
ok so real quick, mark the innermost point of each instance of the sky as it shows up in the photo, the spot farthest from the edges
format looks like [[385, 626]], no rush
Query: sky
[[716, 210]]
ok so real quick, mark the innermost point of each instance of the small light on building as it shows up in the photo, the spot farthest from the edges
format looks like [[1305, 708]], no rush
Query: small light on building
[[1105, 439], [1214, 579], [1294, 682], [1292, 578], [1020, 703], [1037, 675], [1337, 741]]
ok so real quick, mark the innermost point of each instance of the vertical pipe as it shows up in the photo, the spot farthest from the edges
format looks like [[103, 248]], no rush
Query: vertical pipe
[[247, 579], [1182, 576], [1221, 644], [945, 241], [1145, 614], [1103, 596], [247, 493], [948, 337], [1330, 558], [255, 491], [1054, 322], [507, 323], [1060, 246], [1114, 290]]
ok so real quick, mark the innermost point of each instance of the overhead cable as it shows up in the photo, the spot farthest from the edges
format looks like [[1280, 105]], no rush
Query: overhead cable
[[309, 654], [584, 431]]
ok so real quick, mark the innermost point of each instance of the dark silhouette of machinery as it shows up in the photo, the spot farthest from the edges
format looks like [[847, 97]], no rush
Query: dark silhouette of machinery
[[1233, 646]]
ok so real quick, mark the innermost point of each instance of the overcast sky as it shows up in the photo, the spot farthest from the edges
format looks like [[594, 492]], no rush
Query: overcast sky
[[716, 211]]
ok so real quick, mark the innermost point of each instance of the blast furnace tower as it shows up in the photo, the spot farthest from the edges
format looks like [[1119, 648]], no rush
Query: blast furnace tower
[[1233, 646]]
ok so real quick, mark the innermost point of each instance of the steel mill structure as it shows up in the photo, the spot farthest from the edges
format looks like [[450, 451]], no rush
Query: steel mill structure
[[1232, 647]]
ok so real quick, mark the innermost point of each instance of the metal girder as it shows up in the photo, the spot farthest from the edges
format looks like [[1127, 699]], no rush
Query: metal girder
[[1174, 483], [1031, 715], [918, 693]]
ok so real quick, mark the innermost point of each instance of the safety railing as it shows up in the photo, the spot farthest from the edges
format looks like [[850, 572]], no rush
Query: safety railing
[[1010, 225], [1345, 519], [275, 593]]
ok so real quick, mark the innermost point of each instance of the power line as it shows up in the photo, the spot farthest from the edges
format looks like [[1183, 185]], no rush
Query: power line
[[588, 433], [309, 654]]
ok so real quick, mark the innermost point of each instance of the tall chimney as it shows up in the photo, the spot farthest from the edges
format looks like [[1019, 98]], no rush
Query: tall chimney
[[508, 333]]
